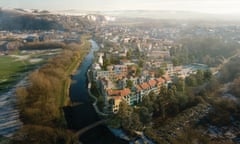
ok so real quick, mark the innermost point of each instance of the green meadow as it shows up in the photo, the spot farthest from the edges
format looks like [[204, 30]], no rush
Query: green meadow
[[11, 70]]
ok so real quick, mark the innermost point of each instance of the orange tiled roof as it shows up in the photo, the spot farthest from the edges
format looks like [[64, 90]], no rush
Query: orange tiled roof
[[113, 92], [125, 92], [121, 93], [144, 85], [152, 83], [160, 80], [138, 88]]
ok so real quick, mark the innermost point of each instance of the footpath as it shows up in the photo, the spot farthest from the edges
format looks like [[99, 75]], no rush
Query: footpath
[[94, 97]]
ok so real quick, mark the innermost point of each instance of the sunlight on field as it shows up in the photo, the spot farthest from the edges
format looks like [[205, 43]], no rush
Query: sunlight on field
[[11, 70]]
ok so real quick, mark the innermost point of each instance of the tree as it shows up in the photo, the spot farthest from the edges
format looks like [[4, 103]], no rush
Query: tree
[[129, 54], [40, 102], [207, 75], [129, 84], [106, 62], [199, 77], [136, 123], [175, 62], [124, 114], [140, 63], [172, 91], [160, 72], [42, 134], [147, 102], [180, 84], [21, 93], [163, 100], [235, 87], [163, 91], [138, 71], [145, 115], [191, 81], [190, 136]]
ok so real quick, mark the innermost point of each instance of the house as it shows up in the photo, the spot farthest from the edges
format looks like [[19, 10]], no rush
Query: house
[[153, 85], [160, 81], [100, 74], [114, 98], [167, 79], [115, 103]]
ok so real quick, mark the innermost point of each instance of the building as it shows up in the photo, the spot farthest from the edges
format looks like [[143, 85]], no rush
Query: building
[[114, 72], [114, 98], [133, 96]]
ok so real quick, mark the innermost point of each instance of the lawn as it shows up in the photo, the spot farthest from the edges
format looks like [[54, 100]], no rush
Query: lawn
[[11, 70]]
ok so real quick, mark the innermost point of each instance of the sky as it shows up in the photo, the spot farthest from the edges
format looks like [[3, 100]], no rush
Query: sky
[[204, 6]]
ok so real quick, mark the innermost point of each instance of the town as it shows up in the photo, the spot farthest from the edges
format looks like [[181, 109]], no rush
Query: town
[[134, 61], [77, 77]]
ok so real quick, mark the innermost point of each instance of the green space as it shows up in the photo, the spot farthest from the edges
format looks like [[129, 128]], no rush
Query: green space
[[11, 70], [14, 67]]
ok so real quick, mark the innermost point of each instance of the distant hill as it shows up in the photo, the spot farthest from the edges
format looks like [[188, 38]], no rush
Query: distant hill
[[23, 19], [19, 20]]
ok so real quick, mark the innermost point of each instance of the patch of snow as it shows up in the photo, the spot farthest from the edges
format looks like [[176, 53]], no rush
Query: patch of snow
[[20, 57], [35, 60]]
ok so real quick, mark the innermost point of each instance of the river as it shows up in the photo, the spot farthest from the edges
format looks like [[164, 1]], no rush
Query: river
[[83, 114]]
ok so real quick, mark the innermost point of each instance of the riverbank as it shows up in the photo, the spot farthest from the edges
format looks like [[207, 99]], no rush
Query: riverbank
[[82, 115], [71, 70], [94, 97]]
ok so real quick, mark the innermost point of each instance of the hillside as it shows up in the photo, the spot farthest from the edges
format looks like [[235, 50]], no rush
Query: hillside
[[19, 19], [10, 20]]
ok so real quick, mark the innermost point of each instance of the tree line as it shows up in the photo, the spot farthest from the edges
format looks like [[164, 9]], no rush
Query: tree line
[[42, 46], [41, 102], [210, 51]]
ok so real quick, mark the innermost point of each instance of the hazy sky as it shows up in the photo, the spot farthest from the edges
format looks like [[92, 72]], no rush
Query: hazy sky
[[208, 6]]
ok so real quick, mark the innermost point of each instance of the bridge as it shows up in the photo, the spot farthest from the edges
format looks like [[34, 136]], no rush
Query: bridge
[[85, 129]]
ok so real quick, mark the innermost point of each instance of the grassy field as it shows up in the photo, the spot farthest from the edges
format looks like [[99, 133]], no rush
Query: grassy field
[[13, 67], [11, 70]]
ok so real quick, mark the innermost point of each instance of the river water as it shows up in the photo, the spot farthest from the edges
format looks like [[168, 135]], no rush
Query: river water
[[83, 114]]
